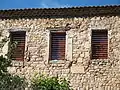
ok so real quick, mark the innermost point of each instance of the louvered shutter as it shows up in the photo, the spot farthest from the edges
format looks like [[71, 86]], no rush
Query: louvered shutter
[[99, 44], [18, 38], [57, 50]]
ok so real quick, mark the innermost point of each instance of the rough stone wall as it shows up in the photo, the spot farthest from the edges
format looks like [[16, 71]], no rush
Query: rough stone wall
[[83, 73]]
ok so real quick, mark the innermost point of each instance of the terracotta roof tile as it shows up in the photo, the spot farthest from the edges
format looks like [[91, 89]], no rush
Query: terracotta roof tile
[[60, 12]]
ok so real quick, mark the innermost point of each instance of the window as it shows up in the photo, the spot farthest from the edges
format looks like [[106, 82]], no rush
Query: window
[[18, 45], [99, 44], [57, 46]]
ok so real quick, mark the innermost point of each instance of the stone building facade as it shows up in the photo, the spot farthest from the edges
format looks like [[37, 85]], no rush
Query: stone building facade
[[83, 72]]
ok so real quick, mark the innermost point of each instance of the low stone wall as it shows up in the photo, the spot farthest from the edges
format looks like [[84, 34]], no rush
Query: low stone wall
[[82, 72]]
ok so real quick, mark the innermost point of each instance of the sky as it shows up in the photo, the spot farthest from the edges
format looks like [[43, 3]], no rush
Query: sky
[[14, 4]]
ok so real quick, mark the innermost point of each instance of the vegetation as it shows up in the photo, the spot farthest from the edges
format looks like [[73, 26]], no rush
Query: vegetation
[[4, 63], [8, 81], [41, 82]]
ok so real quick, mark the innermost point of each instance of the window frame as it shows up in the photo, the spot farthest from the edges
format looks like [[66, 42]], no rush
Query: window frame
[[18, 31], [107, 43], [50, 43]]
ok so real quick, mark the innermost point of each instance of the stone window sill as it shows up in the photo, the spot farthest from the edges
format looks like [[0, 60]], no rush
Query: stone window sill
[[17, 63], [57, 61], [100, 62]]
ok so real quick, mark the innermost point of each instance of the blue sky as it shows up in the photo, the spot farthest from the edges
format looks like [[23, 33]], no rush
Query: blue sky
[[10, 4]]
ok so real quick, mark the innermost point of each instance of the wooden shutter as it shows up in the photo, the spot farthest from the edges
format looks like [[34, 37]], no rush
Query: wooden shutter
[[99, 44], [18, 40], [57, 50]]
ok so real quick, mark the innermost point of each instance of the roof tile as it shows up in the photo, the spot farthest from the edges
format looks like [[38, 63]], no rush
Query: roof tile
[[60, 12]]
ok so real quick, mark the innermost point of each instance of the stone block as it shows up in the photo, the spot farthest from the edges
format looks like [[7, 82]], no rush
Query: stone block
[[5, 49], [11, 69], [77, 68]]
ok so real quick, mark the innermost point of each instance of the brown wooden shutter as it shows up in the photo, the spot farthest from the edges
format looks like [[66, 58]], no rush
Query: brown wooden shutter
[[99, 44], [18, 38], [57, 50]]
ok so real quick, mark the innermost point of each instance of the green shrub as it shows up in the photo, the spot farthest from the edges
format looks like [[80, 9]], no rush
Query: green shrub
[[4, 63], [8, 81], [41, 82]]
